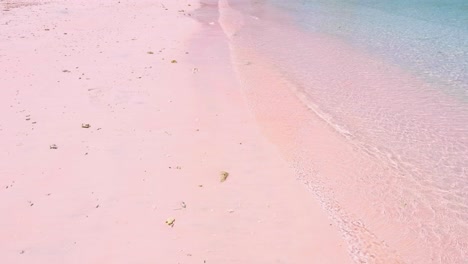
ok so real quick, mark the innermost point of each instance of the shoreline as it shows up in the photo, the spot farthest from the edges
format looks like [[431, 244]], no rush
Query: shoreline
[[166, 115], [382, 200]]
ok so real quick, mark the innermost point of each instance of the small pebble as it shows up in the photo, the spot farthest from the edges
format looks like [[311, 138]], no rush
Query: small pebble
[[170, 222], [224, 176]]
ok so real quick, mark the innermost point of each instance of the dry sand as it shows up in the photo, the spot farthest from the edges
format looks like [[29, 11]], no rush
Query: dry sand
[[142, 183]]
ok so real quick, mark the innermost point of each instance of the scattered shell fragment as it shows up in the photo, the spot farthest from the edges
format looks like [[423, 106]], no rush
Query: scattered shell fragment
[[194, 70], [53, 146], [182, 206], [224, 175], [85, 125], [173, 61], [170, 222], [150, 52]]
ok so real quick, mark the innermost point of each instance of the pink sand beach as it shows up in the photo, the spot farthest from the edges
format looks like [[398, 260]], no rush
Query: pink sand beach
[[224, 131], [117, 116]]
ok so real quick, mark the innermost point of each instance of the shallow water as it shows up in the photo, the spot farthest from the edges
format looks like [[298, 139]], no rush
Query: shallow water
[[428, 38], [391, 79]]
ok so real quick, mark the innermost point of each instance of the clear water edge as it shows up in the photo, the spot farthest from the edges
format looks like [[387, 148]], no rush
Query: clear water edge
[[425, 185]]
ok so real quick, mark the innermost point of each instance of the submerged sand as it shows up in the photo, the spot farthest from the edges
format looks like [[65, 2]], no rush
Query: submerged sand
[[118, 121]]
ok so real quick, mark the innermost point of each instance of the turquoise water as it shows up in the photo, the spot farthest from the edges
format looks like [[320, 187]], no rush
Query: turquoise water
[[391, 79], [429, 38]]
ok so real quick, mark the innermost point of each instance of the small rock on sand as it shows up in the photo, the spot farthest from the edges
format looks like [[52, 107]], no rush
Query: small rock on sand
[[170, 221], [224, 175]]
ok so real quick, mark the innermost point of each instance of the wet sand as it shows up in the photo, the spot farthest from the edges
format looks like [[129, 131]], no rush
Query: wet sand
[[118, 118], [383, 149]]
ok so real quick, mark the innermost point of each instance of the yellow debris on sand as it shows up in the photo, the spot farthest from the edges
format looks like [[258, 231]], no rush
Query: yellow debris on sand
[[224, 176], [170, 221]]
